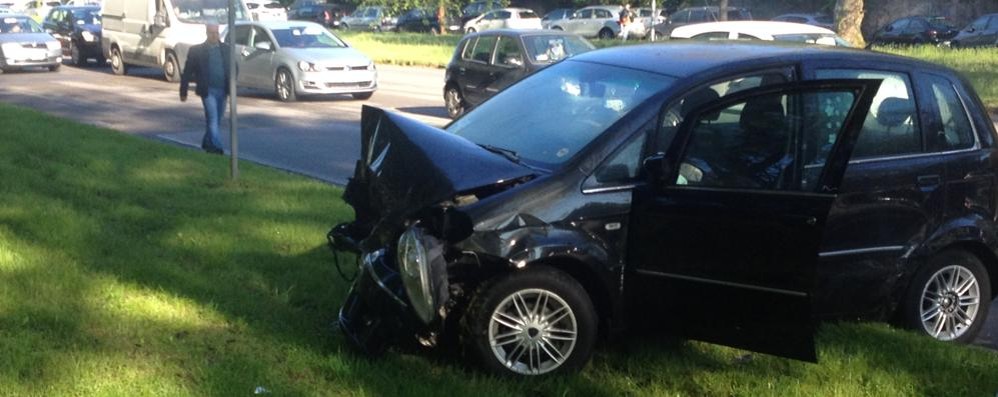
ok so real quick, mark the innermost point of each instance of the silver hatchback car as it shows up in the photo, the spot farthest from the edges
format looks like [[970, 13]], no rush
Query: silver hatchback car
[[296, 58], [24, 44]]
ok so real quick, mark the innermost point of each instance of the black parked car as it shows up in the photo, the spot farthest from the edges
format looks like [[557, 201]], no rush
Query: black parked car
[[485, 63], [326, 14], [915, 30], [692, 15], [426, 20], [78, 29], [983, 32], [723, 198]]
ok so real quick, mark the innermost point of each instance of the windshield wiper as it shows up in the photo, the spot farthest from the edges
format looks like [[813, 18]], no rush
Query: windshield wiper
[[509, 154]]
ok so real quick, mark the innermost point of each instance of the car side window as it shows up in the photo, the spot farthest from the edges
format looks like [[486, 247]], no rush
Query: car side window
[[469, 49], [764, 142], [711, 36], [993, 24], [676, 112], [979, 23], [891, 128], [503, 15], [899, 25], [586, 14], [918, 25], [483, 49], [601, 13], [242, 34], [260, 36], [954, 130], [681, 17], [698, 16], [746, 36], [624, 165], [508, 53]]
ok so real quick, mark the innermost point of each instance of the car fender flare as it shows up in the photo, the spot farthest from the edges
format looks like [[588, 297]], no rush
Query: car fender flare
[[973, 233]]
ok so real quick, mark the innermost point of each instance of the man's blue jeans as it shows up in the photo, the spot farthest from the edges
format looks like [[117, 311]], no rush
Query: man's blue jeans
[[214, 110]]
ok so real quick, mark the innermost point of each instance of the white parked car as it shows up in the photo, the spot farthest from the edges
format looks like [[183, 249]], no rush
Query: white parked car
[[266, 10], [504, 18], [760, 30], [821, 20], [297, 58], [598, 21]]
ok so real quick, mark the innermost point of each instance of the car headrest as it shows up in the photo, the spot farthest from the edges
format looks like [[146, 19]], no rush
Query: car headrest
[[698, 98], [894, 111], [762, 115]]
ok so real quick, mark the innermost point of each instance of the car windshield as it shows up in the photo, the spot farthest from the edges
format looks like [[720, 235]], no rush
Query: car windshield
[[813, 38], [205, 11], [549, 117], [306, 37], [19, 24], [86, 17], [550, 48]]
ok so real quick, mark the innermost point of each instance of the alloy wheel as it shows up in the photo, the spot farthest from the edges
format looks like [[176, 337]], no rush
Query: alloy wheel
[[950, 302], [532, 332], [284, 86], [455, 105]]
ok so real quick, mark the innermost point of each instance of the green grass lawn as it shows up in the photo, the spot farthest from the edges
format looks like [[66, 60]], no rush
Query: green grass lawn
[[979, 65], [131, 267]]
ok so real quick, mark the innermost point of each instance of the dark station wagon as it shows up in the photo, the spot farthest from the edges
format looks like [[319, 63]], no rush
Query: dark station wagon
[[733, 199]]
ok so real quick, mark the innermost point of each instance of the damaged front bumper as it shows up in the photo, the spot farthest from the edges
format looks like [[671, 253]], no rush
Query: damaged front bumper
[[376, 311]]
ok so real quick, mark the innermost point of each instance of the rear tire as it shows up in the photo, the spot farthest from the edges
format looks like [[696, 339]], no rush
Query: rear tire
[[531, 322], [54, 68], [948, 299], [605, 34], [363, 96], [284, 86], [117, 62]]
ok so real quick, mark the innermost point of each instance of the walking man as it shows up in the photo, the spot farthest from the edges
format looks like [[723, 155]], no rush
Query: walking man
[[207, 66]]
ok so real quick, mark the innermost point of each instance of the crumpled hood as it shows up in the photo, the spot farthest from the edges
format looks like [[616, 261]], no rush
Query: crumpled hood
[[407, 166]]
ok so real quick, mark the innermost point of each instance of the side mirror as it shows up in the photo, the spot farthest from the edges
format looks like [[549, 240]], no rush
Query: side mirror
[[160, 20], [264, 45], [656, 168], [513, 62]]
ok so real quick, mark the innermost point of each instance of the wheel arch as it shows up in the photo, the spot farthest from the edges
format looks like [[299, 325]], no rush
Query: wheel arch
[[986, 256], [586, 276]]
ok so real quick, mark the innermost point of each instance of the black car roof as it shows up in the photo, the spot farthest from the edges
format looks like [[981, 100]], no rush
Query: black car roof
[[687, 58], [518, 32]]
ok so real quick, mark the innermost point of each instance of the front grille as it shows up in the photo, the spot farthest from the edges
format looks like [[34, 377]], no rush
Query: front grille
[[34, 45], [362, 84], [345, 68]]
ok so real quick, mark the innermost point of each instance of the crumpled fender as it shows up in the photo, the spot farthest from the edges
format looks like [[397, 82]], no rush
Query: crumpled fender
[[522, 239]]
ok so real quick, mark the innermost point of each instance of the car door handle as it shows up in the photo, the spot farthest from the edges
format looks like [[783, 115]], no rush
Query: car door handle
[[929, 180], [245, 53], [462, 70]]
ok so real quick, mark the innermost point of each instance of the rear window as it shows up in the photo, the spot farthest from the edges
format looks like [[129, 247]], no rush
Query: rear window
[[527, 14]]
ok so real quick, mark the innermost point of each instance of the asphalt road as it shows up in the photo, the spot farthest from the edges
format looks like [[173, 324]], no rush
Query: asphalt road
[[317, 137]]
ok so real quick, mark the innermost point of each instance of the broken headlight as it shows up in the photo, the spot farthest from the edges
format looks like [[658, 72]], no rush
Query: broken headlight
[[415, 269]]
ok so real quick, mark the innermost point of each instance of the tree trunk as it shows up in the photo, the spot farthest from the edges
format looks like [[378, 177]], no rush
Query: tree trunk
[[722, 10], [849, 21]]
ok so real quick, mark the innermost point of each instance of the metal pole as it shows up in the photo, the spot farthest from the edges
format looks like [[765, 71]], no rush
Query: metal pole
[[233, 136], [654, 19]]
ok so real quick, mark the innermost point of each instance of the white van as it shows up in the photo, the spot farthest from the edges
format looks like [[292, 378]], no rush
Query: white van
[[158, 33]]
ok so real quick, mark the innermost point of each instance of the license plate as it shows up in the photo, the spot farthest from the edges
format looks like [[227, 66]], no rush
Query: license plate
[[37, 55]]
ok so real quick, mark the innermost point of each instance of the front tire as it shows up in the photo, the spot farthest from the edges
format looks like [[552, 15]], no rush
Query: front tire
[[606, 34], [948, 299], [117, 63], [54, 68], [363, 96], [171, 68], [454, 102], [284, 86], [75, 58], [531, 322]]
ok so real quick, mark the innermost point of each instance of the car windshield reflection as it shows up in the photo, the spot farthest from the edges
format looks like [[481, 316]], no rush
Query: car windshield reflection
[[549, 117], [306, 37]]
